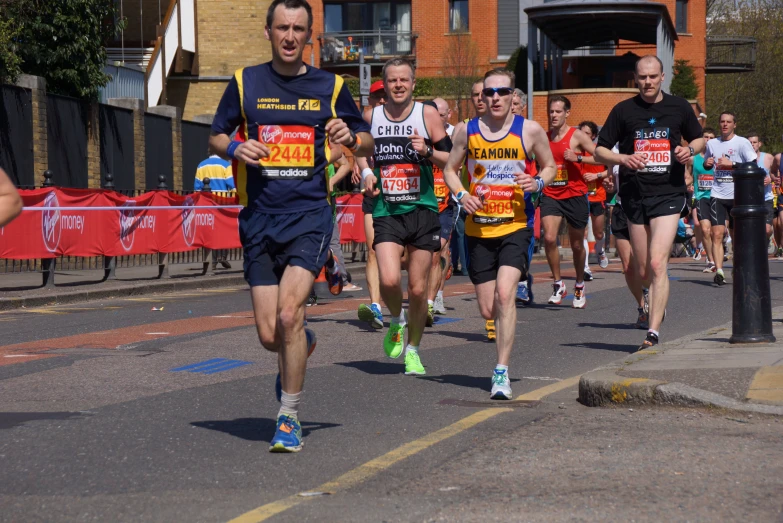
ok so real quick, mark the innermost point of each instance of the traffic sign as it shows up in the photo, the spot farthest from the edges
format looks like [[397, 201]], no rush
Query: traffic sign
[[365, 79]]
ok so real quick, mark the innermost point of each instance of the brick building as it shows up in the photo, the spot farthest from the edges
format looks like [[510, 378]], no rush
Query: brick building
[[190, 48]]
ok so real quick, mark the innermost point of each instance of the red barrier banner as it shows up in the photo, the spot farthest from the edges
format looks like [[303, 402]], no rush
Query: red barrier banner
[[84, 222], [350, 218]]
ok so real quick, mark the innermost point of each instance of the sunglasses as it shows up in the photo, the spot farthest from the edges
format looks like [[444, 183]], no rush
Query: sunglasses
[[489, 92]]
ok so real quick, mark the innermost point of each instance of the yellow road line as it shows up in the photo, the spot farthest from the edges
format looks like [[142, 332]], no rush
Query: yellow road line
[[376, 466], [767, 385]]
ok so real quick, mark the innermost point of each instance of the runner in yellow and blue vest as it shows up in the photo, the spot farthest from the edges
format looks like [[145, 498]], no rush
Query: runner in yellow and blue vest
[[498, 147], [285, 111]]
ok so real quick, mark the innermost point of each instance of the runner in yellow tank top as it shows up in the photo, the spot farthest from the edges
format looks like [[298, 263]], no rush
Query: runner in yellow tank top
[[500, 227]]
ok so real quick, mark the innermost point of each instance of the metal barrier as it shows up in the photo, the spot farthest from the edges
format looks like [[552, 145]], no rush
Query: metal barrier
[[208, 258]]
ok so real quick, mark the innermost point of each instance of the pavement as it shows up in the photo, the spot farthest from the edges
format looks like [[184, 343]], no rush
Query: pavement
[[108, 413]]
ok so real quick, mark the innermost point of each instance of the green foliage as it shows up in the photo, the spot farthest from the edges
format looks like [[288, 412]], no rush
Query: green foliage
[[9, 59], [684, 81], [63, 42]]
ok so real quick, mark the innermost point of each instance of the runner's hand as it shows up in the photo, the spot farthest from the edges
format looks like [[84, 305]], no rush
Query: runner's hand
[[569, 156], [417, 142], [590, 177], [356, 175], [526, 182], [369, 186], [338, 132], [251, 151], [633, 161], [724, 163], [609, 184], [683, 154], [471, 204], [767, 180], [709, 163]]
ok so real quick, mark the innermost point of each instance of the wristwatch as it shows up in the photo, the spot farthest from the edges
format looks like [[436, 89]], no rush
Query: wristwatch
[[733, 165], [578, 158], [461, 195], [429, 153], [693, 153]]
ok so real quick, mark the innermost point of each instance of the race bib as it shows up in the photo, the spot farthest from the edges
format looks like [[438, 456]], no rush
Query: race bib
[[291, 151], [441, 190], [498, 203], [654, 146], [724, 176], [705, 182], [401, 183], [592, 188], [561, 178]]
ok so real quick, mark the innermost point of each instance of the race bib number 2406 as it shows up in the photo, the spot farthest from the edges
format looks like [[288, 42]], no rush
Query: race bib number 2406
[[654, 146]]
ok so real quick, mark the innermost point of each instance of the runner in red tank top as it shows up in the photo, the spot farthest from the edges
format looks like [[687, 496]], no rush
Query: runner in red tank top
[[566, 198], [596, 194]]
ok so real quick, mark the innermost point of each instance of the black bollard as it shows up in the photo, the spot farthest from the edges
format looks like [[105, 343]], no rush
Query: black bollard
[[109, 183], [48, 179], [162, 183], [752, 303], [206, 187]]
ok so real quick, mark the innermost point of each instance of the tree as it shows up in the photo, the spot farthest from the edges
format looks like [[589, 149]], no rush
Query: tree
[[753, 96], [684, 81], [63, 42], [9, 59], [461, 63]]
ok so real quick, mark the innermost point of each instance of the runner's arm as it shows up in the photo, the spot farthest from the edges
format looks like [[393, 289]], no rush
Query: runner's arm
[[774, 169], [440, 149], [10, 201], [534, 134], [227, 118], [343, 168], [459, 149]]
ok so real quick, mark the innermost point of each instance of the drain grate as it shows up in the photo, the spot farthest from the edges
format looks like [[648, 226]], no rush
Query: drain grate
[[490, 403]]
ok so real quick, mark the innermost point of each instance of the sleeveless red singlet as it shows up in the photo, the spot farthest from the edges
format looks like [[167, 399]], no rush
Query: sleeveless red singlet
[[568, 181]]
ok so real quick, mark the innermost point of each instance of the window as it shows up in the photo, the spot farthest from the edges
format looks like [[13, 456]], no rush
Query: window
[[458, 15], [508, 26], [333, 18], [681, 16]]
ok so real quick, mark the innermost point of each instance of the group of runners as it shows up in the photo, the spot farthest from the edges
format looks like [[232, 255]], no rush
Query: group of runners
[[418, 173]]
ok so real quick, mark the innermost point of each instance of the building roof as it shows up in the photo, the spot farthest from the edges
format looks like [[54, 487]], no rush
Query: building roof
[[578, 23]]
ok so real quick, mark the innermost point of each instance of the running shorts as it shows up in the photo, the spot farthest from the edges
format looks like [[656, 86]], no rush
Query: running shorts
[[720, 211], [486, 255], [419, 228], [271, 242], [620, 224], [448, 219], [703, 209], [597, 208], [641, 210], [368, 204], [575, 209], [769, 204]]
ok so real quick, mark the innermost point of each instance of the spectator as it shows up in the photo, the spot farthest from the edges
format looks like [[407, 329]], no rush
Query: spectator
[[221, 181]]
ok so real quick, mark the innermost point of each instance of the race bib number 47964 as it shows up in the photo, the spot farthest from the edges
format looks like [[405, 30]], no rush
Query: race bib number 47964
[[291, 151], [401, 182]]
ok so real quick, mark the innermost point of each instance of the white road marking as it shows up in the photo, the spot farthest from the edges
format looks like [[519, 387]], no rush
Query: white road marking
[[155, 333]]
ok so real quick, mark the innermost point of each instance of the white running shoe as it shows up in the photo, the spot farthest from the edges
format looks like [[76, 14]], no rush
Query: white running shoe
[[501, 385], [580, 298], [558, 293], [438, 307], [603, 260]]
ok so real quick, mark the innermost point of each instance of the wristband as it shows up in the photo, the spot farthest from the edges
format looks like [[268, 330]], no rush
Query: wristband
[[540, 183], [461, 195], [357, 142], [232, 147], [366, 172]]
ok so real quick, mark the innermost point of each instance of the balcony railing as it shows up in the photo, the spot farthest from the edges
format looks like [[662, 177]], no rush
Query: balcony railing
[[730, 54], [378, 46]]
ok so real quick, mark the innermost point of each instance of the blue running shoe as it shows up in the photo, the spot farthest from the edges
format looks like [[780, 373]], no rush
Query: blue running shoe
[[523, 293], [372, 315], [288, 436], [311, 341]]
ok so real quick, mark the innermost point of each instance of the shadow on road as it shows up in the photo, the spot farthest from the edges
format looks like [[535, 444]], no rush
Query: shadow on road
[[626, 326], [256, 429], [617, 347], [467, 336], [706, 283], [374, 367], [473, 382]]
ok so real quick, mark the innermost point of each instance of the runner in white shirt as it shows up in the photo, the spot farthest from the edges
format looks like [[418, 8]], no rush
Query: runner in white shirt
[[764, 160], [724, 153]]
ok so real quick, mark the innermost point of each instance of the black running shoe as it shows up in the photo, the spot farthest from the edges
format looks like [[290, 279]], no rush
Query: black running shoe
[[588, 276], [649, 342], [720, 279], [642, 320]]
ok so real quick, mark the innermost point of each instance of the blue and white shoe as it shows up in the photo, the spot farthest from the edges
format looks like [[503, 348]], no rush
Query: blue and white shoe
[[523, 293], [288, 436], [311, 341], [372, 315], [501, 385], [530, 288]]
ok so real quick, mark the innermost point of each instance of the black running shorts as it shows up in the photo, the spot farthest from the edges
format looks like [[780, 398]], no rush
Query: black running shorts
[[419, 228], [641, 210], [703, 209], [770, 211], [720, 212], [575, 210], [620, 224], [488, 254], [597, 208], [368, 204]]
